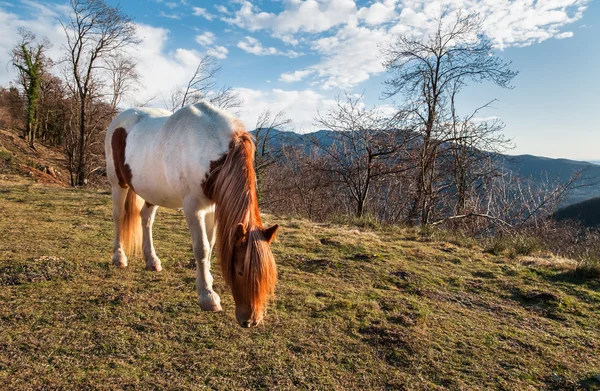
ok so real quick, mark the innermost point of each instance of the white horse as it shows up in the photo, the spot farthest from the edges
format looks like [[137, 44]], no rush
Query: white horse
[[199, 158]]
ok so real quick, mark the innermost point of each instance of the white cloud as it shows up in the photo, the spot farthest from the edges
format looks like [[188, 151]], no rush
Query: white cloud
[[253, 46], [198, 11], [308, 16], [222, 9], [566, 34], [219, 52], [45, 10], [295, 76], [287, 39], [350, 34], [171, 5], [350, 57], [301, 106], [205, 39], [170, 16], [379, 12], [161, 71], [43, 24]]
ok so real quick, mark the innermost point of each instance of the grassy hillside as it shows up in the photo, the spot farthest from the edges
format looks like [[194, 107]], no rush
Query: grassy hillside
[[42, 164], [355, 309]]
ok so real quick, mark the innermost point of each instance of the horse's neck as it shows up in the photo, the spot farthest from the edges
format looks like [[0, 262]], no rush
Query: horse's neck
[[235, 186], [241, 207], [234, 193]]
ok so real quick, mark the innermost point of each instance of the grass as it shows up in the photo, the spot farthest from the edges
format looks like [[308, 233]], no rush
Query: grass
[[514, 245], [356, 308]]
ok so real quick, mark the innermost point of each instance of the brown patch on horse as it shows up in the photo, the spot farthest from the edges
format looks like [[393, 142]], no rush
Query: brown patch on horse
[[208, 185], [118, 142]]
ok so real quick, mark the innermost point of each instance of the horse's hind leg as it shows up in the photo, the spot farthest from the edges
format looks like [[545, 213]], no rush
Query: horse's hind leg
[[201, 224], [119, 195], [152, 262]]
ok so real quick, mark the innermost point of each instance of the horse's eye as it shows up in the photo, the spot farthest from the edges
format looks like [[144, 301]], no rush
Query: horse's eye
[[240, 274]]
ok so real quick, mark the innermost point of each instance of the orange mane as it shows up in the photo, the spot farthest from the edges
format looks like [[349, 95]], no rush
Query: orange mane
[[232, 185]]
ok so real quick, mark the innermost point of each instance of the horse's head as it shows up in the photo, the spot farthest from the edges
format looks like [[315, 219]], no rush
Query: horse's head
[[254, 273]]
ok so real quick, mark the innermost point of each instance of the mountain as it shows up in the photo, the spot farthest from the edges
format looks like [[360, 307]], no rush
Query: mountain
[[587, 213], [538, 168], [542, 169]]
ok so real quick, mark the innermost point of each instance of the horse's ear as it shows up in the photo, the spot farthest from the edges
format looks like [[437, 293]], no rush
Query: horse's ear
[[240, 234], [270, 233]]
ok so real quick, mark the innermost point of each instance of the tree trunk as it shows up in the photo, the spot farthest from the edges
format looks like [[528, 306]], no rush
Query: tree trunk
[[80, 174], [360, 209]]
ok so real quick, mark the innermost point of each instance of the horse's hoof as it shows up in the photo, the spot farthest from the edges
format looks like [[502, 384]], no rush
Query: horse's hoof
[[210, 301], [119, 260], [211, 307], [153, 264], [154, 268]]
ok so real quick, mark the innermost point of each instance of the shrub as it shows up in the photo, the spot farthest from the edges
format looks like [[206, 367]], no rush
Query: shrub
[[514, 245]]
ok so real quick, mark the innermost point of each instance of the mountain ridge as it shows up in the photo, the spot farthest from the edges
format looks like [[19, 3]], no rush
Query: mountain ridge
[[538, 168]]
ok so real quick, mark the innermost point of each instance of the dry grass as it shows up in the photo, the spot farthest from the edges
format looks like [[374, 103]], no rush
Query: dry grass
[[355, 309]]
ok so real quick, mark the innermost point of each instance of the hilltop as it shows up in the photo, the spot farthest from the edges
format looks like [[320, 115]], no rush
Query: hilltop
[[356, 308]]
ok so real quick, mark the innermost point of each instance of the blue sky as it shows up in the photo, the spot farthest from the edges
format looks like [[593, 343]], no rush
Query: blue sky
[[297, 55]]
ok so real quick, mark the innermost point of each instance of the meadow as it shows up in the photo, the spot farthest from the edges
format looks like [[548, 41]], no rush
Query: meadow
[[356, 307]]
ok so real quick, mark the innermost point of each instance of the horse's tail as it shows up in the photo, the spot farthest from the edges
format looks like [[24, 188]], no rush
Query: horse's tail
[[131, 227]]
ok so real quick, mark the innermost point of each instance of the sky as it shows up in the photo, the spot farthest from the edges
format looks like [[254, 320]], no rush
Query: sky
[[299, 55]]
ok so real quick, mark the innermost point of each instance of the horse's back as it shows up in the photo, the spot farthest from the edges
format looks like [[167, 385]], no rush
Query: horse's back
[[128, 119], [168, 155]]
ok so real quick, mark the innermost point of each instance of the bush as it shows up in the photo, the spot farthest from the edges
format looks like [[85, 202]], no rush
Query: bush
[[365, 222], [514, 245], [588, 268]]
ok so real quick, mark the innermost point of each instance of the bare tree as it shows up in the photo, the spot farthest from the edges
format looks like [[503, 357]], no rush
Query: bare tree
[[123, 77], [29, 57], [426, 72], [12, 107], [53, 110], [292, 186], [203, 85], [365, 147], [266, 154], [473, 150], [95, 32]]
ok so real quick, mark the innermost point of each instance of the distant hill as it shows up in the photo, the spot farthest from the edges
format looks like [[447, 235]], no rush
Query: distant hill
[[538, 168], [542, 168], [587, 213]]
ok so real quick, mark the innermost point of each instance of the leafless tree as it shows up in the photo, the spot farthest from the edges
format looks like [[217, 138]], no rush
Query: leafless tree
[[123, 78], [12, 107], [365, 147], [291, 186], [266, 124], [95, 32], [53, 110], [473, 145], [426, 72], [203, 85]]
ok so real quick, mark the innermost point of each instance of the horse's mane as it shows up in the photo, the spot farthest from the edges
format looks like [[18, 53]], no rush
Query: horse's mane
[[232, 185]]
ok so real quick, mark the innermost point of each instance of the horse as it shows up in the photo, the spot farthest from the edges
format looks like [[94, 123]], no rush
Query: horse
[[199, 158]]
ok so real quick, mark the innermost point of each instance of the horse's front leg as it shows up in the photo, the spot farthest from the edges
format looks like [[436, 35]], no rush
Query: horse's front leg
[[152, 262], [197, 219]]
